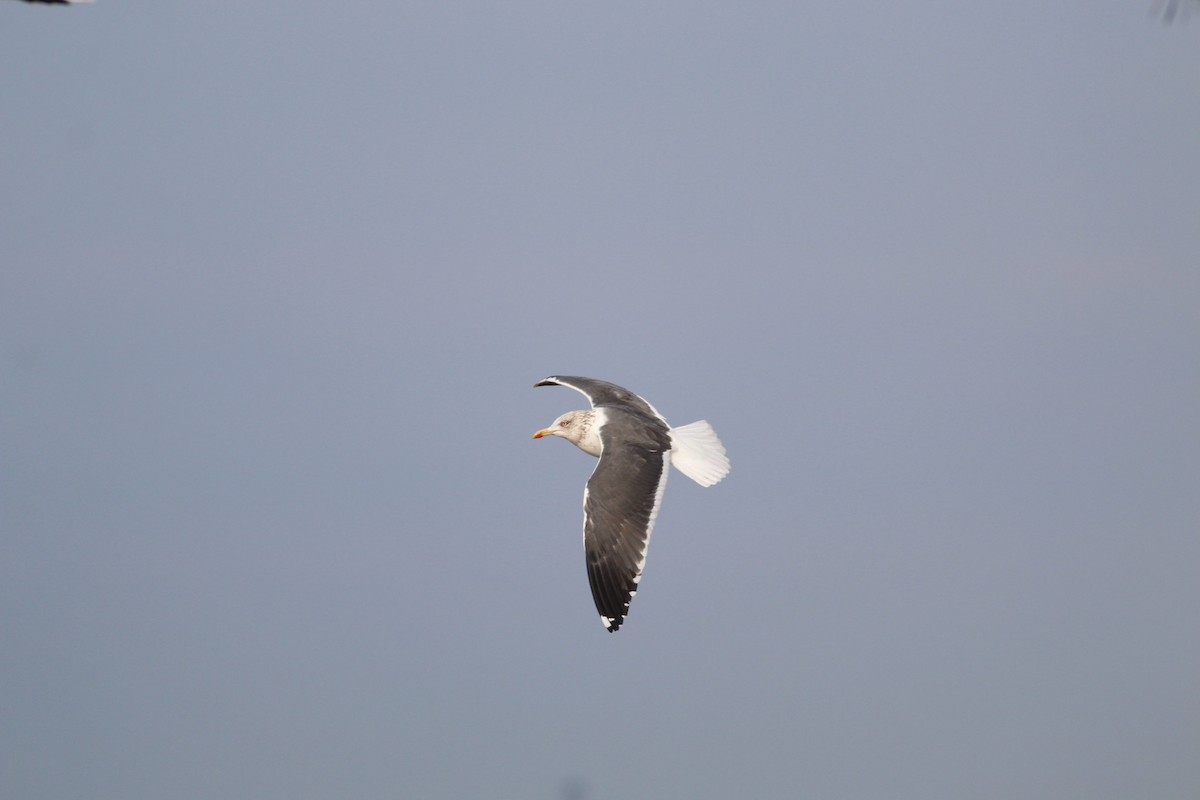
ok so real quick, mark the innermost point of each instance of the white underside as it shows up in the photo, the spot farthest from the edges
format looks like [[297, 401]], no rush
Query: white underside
[[698, 453]]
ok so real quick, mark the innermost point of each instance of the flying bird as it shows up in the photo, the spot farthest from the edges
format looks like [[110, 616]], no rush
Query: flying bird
[[636, 448]]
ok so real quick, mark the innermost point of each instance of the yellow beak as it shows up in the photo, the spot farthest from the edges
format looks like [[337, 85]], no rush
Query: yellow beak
[[542, 432]]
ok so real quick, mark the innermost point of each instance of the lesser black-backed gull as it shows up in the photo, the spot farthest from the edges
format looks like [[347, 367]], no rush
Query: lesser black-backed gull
[[636, 447]]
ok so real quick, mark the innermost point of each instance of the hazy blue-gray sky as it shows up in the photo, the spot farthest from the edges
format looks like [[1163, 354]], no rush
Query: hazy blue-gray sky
[[276, 279]]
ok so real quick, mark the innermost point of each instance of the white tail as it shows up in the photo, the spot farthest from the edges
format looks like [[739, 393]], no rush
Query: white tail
[[698, 453]]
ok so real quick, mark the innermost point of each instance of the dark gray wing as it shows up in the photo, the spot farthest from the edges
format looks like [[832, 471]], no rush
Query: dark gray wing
[[620, 504], [602, 393]]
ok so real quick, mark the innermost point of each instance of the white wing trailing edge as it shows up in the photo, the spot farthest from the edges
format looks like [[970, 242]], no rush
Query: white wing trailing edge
[[698, 453]]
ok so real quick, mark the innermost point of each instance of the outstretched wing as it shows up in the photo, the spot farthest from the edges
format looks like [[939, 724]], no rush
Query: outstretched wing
[[620, 504], [603, 393]]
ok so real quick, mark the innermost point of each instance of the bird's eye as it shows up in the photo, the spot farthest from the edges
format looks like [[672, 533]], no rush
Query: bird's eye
[[566, 423]]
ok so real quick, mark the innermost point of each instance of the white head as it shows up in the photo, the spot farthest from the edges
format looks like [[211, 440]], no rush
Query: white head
[[577, 427]]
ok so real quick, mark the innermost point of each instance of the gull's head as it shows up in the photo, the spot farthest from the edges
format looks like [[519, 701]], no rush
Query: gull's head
[[569, 426], [576, 428]]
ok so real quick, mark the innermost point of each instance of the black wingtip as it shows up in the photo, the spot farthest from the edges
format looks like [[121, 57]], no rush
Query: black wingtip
[[551, 381]]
